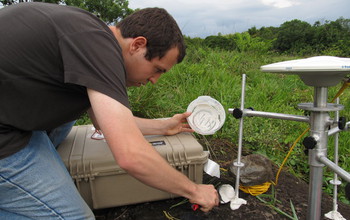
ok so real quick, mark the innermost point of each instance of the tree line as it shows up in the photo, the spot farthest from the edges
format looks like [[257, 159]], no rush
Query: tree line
[[292, 37], [110, 11]]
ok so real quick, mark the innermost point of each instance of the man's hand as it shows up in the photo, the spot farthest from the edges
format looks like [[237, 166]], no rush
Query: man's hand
[[206, 196], [177, 124]]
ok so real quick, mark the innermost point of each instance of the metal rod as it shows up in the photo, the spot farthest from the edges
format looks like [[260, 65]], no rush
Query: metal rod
[[315, 195], [345, 175], [320, 97], [318, 129], [335, 179], [249, 112], [240, 139]]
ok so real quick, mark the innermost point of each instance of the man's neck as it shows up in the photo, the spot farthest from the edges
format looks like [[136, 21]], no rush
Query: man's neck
[[123, 42]]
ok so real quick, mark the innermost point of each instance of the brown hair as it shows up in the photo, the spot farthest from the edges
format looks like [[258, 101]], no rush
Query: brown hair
[[158, 27]]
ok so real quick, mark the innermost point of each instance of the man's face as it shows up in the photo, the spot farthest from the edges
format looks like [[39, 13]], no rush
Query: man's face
[[140, 71]]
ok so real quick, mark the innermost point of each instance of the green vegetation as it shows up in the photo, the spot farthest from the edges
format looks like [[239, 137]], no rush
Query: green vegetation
[[271, 201], [292, 37]]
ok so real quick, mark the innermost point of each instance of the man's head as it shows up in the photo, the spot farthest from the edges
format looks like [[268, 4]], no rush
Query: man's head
[[152, 44], [158, 27]]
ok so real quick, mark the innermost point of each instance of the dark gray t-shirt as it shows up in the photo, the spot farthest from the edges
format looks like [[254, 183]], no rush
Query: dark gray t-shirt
[[49, 55]]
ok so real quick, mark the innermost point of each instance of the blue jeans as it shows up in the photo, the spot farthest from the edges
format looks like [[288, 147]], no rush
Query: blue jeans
[[35, 184]]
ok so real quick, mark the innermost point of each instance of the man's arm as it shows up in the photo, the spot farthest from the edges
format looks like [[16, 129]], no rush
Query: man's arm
[[93, 118], [169, 126], [136, 156]]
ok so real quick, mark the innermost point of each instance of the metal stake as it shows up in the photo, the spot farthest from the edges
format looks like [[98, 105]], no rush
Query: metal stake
[[335, 180], [238, 164]]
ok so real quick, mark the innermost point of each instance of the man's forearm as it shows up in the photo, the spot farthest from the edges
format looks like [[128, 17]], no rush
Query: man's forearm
[[149, 126]]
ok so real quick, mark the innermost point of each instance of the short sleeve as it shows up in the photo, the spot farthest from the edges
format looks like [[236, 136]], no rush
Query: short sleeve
[[93, 59]]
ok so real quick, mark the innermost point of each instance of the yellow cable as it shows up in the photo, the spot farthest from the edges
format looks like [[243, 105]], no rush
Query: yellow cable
[[170, 217], [289, 152], [260, 189], [255, 190], [346, 84]]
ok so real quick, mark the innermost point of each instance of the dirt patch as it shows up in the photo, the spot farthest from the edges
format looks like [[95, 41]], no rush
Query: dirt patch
[[289, 189]]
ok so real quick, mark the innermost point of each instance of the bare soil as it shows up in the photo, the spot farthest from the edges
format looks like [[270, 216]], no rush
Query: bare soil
[[289, 188]]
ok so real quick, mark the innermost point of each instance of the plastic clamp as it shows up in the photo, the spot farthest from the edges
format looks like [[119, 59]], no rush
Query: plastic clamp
[[309, 142], [347, 191], [335, 182], [342, 123], [236, 164], [237, 113]]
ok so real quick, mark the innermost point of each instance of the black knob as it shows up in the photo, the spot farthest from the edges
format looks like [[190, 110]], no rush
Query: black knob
[[309, 142], [237, 113], [342, 123], [347, 191]]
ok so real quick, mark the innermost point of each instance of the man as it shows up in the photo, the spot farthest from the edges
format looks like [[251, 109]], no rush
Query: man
[[57, 62]]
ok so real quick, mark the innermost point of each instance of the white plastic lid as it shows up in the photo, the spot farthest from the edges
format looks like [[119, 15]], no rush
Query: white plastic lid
[[208, 115]]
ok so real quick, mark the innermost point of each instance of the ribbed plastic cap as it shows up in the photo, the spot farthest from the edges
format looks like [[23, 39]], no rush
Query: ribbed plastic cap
[[208, 115]]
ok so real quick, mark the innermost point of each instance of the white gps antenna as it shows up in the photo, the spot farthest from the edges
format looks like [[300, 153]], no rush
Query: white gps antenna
[[319, 71]]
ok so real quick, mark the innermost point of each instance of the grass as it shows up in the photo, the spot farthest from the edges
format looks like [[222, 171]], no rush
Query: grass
[[218, 74], [271, 201]]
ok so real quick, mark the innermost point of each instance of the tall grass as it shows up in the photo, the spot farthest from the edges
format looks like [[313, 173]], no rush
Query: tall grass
[[218, 74]]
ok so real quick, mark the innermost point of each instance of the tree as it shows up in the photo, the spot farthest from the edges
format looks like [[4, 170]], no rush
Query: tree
[[244, 42], [267, 33], [219, 42], [11, 2], [109, 11], [253, 31], [294, 36], [333, 36]]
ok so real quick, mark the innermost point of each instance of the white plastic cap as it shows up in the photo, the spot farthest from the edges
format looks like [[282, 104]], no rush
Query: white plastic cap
[[208, 115]]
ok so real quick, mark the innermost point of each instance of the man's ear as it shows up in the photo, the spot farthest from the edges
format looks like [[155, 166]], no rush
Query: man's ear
[[138, 43]]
